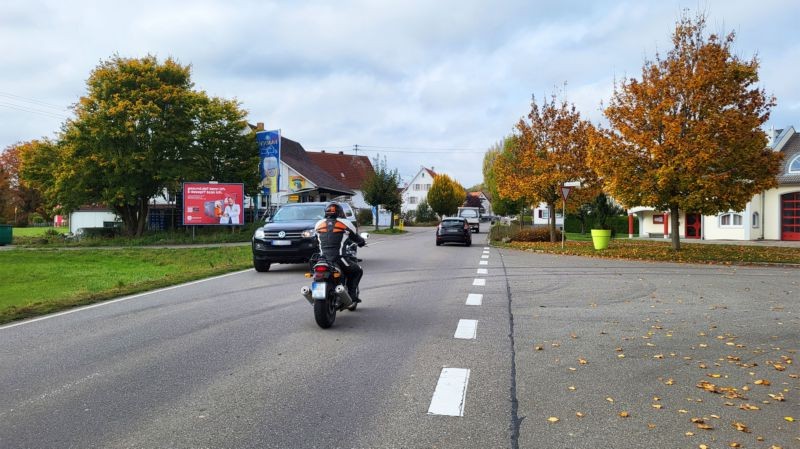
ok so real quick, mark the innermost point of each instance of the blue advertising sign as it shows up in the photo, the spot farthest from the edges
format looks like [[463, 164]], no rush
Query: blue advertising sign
[[269, 150]]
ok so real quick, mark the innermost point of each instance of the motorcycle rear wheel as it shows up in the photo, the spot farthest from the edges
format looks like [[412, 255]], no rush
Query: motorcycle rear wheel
[[325, 311]]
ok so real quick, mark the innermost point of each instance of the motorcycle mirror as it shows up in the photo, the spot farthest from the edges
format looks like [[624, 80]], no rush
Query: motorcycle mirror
[[364, 235]]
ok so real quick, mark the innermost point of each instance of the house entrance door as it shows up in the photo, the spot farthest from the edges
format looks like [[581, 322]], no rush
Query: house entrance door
[[693, 226], [790, 216]]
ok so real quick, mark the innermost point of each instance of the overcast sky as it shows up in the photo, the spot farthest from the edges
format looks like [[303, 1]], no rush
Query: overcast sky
[[431, 83]]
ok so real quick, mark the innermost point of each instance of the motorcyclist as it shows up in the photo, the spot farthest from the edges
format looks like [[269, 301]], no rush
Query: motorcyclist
[[335, 232]]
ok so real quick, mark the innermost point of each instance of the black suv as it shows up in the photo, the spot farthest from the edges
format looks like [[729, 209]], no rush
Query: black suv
[[289, 236]]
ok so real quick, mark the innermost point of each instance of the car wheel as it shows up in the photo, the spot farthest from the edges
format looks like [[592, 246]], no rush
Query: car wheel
[[261, 265], [469, 242], [438, 243]]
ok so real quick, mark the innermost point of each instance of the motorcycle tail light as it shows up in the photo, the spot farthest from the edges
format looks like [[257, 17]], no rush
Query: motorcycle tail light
[[319, 268]]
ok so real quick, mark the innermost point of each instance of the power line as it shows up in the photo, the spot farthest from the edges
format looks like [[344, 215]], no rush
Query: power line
[[33, 100], [33, 111]]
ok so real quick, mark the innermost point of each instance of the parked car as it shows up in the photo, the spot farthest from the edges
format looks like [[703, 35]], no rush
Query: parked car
[[453, 230], [289, 236]]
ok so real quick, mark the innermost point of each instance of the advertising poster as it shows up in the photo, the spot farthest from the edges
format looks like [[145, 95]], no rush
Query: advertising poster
[[269, 151], [297, 183], [212, 204]]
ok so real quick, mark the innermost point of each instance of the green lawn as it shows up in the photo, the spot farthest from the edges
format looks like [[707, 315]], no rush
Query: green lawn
[[35, 282], [36, 232], [662, 251]]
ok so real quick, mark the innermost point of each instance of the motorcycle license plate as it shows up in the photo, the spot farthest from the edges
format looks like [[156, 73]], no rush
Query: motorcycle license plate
[[318, 290]]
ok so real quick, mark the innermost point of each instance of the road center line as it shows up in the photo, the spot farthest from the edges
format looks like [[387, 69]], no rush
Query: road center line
[[479, 282], [484, 262], [450, 394], [467, 329], [484, 256], [474, 299], [483, 271]]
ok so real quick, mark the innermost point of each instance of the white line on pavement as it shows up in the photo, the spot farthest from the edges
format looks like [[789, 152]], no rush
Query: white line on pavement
[[479, 282], [467, 329], [484, 256], [450, 394], [484, 262], [485, 247], [474, 299], [483, 271]]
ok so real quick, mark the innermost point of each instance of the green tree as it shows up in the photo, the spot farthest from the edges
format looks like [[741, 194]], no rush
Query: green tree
[[29, 197], [687, 136], [380, 189], [424, 213], [446, 195], [141, 129]]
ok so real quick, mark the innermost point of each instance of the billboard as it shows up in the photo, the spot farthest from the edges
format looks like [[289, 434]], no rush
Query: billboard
[[212, 204], [269, 152]]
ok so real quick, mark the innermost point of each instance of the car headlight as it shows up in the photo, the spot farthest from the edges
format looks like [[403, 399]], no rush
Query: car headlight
[[309, 233], [260, 233]]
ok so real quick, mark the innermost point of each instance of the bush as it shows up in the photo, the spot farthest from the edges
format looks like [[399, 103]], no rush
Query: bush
[[538, 234], [424, 213], [364, 217]]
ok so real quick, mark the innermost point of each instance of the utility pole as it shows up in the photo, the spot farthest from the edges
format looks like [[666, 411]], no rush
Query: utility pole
[[355, 148]]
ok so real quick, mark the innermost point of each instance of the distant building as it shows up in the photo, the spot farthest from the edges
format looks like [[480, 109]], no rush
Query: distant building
[[348, 169], [417, 190]]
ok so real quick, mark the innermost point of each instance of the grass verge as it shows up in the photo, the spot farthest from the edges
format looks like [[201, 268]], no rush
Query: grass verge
[[388, 231], [39, 282], [662, 252]]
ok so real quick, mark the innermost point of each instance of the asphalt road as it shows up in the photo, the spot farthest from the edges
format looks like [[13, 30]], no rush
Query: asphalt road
[[238, 362]]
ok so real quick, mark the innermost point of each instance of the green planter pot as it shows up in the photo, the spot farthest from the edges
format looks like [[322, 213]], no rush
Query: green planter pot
[[600, 238]]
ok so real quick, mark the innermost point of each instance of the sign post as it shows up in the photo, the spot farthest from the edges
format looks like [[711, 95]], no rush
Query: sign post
[[565, 190]]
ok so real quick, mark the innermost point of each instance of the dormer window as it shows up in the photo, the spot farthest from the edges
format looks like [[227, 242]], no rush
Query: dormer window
[[794, 166]]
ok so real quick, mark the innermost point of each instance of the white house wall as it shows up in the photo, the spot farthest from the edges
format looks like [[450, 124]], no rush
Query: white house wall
[[423, 178]]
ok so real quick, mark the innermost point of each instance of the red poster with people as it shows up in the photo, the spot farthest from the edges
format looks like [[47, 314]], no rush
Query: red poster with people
[[213, 204]]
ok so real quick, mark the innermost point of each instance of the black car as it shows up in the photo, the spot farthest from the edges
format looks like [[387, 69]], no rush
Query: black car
[[453, 229], [289, 236]]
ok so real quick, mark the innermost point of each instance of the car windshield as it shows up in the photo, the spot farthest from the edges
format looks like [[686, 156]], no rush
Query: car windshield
[[453, 224], [292, 213], [468, 213]]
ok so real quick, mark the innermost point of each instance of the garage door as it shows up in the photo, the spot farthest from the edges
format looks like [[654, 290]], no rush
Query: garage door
[[790, 216]]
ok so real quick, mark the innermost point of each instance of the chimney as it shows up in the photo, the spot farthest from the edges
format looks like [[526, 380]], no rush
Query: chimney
[[260, 126], [341, 152], [323, 151]]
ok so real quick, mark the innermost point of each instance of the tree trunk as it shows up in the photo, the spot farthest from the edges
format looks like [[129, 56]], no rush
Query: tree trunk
[[551, 208], [675, 224]]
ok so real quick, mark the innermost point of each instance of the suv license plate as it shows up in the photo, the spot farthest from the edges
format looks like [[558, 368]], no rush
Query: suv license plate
[[318, 290], [281, 242]]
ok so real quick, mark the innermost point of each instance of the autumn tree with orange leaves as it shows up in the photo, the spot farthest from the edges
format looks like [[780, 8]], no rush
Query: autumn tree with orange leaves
[[548, 150], [687, 135]]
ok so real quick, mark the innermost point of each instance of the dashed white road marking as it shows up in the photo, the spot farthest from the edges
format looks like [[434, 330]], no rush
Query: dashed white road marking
[[483, 271], [467, 329], [451, 392], [484, 256], [474, 299], [479, 282], [484, 262], [485, 247]]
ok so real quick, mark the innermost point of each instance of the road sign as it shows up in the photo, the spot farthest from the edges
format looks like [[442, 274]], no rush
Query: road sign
[[565, 191]]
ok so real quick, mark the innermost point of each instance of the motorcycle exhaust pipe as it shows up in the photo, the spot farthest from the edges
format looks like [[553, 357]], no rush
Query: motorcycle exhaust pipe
[[306, 292], [344, 297]]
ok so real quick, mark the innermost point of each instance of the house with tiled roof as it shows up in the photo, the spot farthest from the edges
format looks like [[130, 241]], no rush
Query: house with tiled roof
[[416, 191], [350, 170], [773, 214]]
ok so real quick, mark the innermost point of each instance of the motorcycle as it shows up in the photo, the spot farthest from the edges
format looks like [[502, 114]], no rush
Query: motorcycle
[[328, 291]]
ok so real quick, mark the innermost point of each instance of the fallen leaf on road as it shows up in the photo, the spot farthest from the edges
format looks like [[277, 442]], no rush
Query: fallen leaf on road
[[624, 414], [669, 382], [571, 387], [778, 397], [740, 427], [658, 356], [698, 420], [553, 419], [734, 444], [779, 367], [539, 348], [610, 400], [789, 418], [582, 361], [703, 446], [704, 426], [657, 406], [764, 382], [689, 434], [748, 407], [579, 414], [714, 375]]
